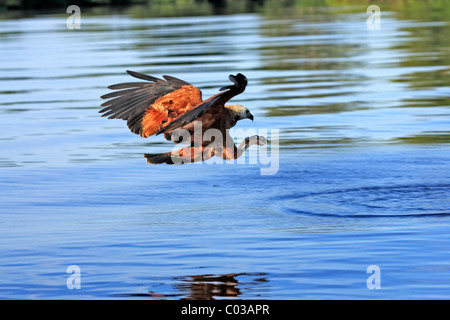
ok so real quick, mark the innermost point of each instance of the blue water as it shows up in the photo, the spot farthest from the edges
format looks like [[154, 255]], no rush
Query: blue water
[[363, 173]]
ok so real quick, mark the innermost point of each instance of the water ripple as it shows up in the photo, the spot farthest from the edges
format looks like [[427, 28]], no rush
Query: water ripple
[[399, 201]]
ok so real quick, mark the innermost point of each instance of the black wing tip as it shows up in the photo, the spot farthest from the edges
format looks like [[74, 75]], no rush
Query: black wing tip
[[142, 76], [105, 96], [133, 73], [238, 80]]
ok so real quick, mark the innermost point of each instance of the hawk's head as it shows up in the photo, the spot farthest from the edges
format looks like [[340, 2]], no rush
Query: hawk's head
[[240, 112]]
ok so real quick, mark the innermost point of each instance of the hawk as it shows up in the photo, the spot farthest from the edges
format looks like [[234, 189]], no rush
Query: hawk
[[175, 108]]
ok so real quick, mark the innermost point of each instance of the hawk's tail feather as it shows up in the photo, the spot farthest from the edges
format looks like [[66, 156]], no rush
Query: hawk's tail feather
[[158, 158], [185, 155]]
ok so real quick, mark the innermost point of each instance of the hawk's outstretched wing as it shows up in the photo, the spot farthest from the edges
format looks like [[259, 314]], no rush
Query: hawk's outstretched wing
[[212, 105], [147, 106], [160, 106]]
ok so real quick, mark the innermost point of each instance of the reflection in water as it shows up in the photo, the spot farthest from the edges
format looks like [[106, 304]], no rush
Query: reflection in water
[[427, 138], [74, 190], [210, 287]]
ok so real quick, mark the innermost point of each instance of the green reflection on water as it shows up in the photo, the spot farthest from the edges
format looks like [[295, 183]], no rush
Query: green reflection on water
[[425, 45], [426, 138]]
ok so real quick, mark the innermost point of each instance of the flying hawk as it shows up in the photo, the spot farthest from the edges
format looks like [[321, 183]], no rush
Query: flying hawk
[[176, 109]]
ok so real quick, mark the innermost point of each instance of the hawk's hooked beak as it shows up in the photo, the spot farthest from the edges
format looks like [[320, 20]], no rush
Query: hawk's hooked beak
[[250, 116]]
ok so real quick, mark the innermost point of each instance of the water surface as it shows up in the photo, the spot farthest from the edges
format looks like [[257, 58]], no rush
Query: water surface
[[363, 178]]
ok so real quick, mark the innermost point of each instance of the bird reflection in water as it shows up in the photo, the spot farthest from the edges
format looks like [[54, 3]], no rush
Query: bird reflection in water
[[210, 287]]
